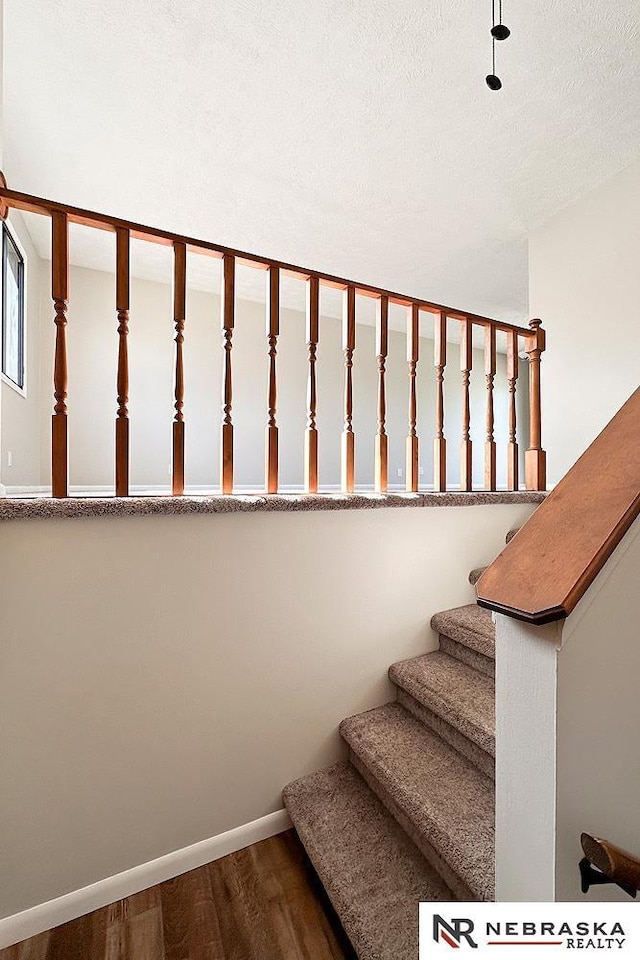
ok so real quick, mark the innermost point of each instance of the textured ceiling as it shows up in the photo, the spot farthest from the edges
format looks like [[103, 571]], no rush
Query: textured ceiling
[[355, 137]]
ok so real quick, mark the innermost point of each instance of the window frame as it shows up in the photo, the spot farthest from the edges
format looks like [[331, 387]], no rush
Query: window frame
[[9, 236]]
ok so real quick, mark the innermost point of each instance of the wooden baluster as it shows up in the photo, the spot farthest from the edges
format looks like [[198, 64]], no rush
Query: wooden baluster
[[413, 343], [60, 296], [512, 376], [311, 433], [382, 346], [179, 317], [273, 330], [348, 345], [535, 458], [122, 380], [440, 444], [490, 372], [466, 366], [228, 315]]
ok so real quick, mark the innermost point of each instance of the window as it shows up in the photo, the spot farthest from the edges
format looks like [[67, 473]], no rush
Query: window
[[12, 310]]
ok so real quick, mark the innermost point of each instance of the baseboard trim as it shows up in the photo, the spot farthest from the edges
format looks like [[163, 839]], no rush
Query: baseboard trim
[[72, 905]]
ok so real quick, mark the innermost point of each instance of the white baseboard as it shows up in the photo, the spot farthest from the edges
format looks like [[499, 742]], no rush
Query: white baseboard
[[43, 917]]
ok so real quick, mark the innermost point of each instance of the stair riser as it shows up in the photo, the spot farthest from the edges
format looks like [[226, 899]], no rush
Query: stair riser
[[466, 655], [470, 750], [457, 886], [469, 625], [385, 740], [444, 703]]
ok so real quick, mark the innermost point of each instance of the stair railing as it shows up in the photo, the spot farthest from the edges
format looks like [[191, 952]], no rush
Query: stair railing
[[548, 566], [532, 340]]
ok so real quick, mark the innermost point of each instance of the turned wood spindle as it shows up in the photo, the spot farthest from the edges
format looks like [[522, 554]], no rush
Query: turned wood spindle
[[273, 330], [412, 446], [382, 347], [466, 366], [535, 458], [228, 315], [348, 345], [122, 380], [490, 372], [60, 296], [179, 317], [311, 433], [512, 377], [440, 444]]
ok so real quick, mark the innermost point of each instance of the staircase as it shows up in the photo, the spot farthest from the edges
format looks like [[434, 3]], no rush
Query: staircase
[[410, 816]]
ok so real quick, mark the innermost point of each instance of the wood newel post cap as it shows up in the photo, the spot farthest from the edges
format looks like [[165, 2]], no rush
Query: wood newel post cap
[[538, 339], [4, 206]]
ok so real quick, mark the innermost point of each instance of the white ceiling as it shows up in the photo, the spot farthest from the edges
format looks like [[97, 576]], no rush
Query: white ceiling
[[355, 137]]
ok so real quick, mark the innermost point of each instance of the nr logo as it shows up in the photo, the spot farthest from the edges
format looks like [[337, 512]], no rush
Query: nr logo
[[454, 931]]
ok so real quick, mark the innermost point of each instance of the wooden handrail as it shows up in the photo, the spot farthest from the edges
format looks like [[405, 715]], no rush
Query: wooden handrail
[[103, 221], [615, 863], [62, 215], [547, 567]]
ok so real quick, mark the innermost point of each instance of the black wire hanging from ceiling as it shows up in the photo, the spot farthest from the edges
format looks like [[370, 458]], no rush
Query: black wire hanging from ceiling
[[498, 32]]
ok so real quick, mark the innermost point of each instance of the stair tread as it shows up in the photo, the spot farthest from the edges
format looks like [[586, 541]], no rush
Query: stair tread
[[475, 575], [448, 801], [454, 691], [373, 874], [470, 625]]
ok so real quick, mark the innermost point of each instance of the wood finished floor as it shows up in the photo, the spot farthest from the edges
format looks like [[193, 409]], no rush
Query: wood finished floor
[[261, 903]]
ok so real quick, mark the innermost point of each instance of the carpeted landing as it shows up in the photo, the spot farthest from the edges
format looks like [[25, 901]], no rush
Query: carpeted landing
[[410, 816]]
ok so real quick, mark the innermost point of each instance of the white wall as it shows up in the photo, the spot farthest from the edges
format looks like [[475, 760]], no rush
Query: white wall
[[567, 751], [599, 720], [92, 362], [584, 284], [526, 698], [176, 672], [21, 412]]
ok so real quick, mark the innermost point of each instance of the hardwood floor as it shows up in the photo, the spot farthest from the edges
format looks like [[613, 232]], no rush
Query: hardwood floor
[[262, 903]]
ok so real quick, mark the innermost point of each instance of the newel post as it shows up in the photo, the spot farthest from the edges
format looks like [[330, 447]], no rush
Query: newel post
[[535, 458]]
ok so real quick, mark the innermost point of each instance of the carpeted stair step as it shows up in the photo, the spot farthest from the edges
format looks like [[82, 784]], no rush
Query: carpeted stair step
[[373, 874], [454, 700], [475, 575], [483, 761], [445, 804], [459, 652], [470, 626]]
